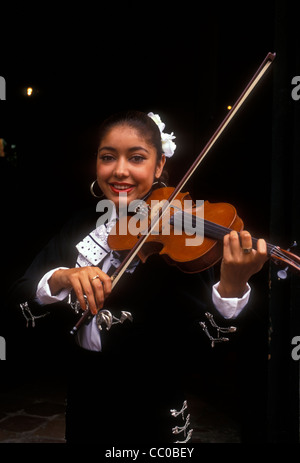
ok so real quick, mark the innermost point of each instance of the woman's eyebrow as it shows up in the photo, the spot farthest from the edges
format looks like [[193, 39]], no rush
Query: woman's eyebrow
[[133, 148], [137, 148], [106, 148]]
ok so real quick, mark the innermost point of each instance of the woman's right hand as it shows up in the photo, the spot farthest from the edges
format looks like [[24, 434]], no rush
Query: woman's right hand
[[88, 281]]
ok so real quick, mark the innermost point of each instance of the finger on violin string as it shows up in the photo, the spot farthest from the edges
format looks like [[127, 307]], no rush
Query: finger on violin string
[[246, 242], [261, 248], [232, 246], [226, 248]]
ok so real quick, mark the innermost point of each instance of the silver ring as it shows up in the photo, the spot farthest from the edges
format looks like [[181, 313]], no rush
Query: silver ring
[[247, 250], [94, 278]]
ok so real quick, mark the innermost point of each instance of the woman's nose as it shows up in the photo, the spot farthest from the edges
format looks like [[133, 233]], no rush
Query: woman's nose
[[121, 169]]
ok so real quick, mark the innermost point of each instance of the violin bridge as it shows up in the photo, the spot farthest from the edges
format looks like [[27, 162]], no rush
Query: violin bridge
[[219, 329]]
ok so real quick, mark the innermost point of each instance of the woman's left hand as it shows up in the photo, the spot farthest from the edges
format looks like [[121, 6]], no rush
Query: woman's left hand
[[240, 262]]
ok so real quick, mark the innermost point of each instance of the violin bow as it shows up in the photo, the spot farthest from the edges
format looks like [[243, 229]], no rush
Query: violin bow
[[134, 251], [240, 101]]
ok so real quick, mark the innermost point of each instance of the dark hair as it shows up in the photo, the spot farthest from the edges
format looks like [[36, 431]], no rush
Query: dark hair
[[143, 124]]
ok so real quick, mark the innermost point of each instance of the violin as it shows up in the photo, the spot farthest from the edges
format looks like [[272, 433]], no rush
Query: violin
[[216, 220]]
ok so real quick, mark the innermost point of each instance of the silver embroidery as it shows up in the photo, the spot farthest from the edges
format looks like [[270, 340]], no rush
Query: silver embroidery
[[188, 437], [75, 305], [179, 429], [176, 413], [30, 318], [219, 329], [105, 317], [182, 429]]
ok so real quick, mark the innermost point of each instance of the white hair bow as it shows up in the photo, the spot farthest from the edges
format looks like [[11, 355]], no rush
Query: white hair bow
[[166, 138]]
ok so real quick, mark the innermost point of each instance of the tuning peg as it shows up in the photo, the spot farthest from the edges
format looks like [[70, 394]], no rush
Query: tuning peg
[[283, 274]]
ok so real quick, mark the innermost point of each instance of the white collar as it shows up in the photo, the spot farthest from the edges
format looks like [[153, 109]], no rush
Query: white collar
[[94, 247]]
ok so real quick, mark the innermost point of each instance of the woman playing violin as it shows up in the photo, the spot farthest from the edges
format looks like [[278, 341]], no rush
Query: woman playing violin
[[129, 373]]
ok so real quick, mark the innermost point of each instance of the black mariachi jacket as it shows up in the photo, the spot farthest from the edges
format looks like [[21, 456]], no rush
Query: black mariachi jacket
[[145, 361]]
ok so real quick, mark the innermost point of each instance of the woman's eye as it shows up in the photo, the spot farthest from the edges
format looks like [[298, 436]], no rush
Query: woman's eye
[[106, 157], [137, 158]]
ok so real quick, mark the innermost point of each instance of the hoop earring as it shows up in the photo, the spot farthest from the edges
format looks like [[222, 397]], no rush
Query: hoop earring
[[159, 182], [92, 190]]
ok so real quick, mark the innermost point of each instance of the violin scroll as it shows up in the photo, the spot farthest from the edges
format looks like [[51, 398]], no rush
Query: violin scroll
[[282, 256]]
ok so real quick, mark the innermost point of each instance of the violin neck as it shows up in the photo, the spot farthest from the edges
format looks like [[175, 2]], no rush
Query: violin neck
[[191, 224]]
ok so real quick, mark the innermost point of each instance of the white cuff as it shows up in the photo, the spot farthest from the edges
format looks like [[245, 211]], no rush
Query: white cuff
[[43, 293], [229, 307]]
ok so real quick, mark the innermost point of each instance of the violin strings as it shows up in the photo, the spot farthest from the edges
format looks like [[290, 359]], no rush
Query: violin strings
[[216, 231]]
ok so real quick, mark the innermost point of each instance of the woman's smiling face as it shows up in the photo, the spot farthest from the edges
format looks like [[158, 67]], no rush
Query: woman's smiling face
[[126, 164]]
